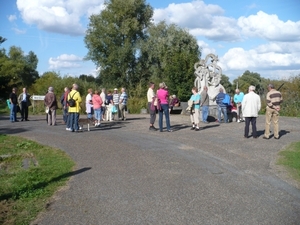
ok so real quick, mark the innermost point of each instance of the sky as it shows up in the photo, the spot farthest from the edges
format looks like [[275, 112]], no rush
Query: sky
[[261, 36]]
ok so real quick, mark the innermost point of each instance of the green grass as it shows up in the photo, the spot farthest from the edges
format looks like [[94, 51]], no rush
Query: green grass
[[24, 192], [290, 158]]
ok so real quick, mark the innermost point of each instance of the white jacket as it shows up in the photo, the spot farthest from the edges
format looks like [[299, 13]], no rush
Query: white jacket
[[251, 105]]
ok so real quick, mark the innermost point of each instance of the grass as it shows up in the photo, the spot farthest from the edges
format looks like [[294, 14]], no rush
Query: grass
[[290, 158], [30, 174]]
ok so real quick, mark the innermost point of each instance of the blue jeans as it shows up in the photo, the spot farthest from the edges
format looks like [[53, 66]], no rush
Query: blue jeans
[[164, 110], [74, 117], [13, 112], [224, 112], [98, 113], [65, 115], [204, 113]]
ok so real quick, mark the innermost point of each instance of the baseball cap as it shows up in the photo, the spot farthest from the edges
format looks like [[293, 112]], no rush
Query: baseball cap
[[115, 89]]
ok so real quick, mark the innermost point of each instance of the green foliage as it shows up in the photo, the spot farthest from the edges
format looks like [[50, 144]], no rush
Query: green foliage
[[290, 157], [111, 40], [169, 54], [17, 70], [227, 85], [25, 191]]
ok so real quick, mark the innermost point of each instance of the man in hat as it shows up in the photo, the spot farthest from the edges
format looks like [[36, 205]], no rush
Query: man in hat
[[274, 99]]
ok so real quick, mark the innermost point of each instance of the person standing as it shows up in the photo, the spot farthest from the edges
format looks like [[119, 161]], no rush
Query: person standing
[[109, 103], [123, 103], [103, 108], [89, 104], [163, 97], [238, 98], [97, 103], [24, 103], [274, 99], [152, 112], [222, 108], [195, 98], [251, 105], [63, 101], [116, 99], [74, 110], [13, 105], [204, 104], [51, 104]]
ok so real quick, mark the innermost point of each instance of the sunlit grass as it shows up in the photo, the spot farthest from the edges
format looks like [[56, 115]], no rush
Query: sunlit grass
[[30, 174]]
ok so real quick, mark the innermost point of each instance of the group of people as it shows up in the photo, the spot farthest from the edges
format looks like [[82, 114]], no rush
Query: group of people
[[114, 105], [247, 107], [21, 102], [97, 106]]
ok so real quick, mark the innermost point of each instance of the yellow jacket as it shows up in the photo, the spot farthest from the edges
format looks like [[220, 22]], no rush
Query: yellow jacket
[[78, 100]]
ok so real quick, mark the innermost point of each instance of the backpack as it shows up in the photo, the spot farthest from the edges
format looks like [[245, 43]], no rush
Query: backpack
[[226, 100], [71, 101]]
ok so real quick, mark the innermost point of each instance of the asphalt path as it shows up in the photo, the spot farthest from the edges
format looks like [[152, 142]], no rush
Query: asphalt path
[[126, 174]]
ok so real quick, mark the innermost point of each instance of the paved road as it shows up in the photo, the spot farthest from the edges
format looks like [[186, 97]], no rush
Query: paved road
[[126, 174]]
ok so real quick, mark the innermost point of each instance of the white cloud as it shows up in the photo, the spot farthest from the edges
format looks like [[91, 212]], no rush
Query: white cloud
[[61, 16], [263, 57], [12, 18], [18, 31], [269, 27], [65, 61], [200, 19]]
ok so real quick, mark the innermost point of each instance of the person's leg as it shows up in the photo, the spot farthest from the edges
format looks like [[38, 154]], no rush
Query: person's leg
[[192, 120], [152, 115], [103, 109], [160, 119], [219, 114], [76, 119], [53, 112], [26, 111], [268, 122], [12, 112], [122, 109], [275, 119], [22, 110], [253, 124], [247, 122], [204, 113], [196, 118], [49, 117], [167, 115], [224, 110]]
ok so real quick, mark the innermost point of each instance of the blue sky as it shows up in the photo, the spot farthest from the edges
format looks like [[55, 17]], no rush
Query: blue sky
[[262, 36]]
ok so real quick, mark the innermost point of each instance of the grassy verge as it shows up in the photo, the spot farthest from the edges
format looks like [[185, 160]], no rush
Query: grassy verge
[[30, 174], [290, 158]]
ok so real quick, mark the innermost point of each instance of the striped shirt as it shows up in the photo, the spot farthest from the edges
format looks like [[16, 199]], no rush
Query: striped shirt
[[274, 98], [123, 98], [116, 99]]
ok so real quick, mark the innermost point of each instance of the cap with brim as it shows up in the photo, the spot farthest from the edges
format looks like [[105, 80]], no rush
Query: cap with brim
[[115, 89]]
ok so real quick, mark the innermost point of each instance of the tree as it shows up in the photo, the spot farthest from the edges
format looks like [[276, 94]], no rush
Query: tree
[[226, 84], [17, 69], [169, 55], [249, 78], [112, 37]]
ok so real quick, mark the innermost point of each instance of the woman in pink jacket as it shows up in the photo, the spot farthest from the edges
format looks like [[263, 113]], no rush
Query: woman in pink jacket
[[163, 98], [97, 103]]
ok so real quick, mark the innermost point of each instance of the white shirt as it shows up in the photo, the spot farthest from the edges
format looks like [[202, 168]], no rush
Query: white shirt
[[150, 94], [251, 104], [103, 97]]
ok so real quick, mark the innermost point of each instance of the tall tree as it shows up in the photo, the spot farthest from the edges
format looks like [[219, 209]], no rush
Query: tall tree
[[170, 53], [112, 38]]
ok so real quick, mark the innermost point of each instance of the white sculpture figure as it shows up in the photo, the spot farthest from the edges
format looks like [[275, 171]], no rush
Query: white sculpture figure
[[209, 74]]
